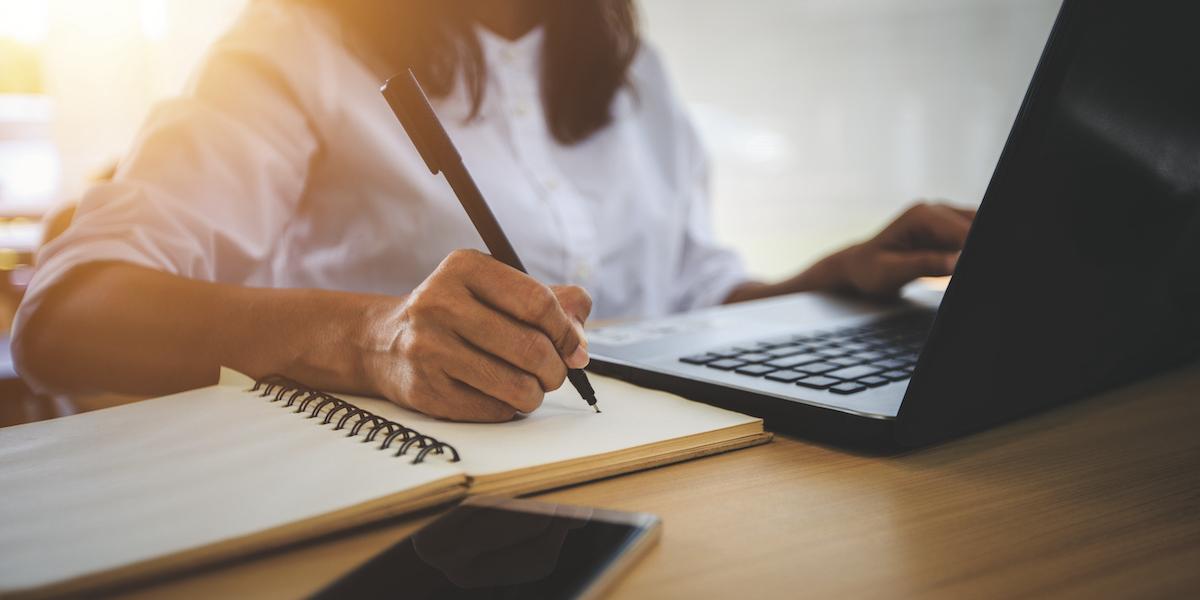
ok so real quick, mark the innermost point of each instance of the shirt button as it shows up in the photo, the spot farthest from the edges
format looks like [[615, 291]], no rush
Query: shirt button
[[521, 109], [507, 55], [551, 184], [582, 271]]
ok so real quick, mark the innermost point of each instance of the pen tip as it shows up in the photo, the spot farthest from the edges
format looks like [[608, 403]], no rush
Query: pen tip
[[596, 407]]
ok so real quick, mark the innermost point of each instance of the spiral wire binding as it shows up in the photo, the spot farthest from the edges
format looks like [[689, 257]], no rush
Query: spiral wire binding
[[305, 399]]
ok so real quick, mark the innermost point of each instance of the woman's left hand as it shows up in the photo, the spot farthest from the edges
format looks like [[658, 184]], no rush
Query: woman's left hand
[[924, 241]]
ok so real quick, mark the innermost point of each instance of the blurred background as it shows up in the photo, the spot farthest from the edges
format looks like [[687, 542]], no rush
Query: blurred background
[[823, 117]]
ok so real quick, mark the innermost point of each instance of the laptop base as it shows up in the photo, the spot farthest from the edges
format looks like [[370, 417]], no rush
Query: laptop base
[[832, 427]]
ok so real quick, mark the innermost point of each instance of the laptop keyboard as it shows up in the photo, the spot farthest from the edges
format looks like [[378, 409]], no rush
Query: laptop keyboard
[[848, 360]]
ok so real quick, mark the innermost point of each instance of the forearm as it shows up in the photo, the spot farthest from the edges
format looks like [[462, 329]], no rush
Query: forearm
[[826, 274], [123, 328]]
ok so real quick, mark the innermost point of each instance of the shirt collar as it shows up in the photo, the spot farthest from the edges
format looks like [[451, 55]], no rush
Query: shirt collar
[[501, 51]]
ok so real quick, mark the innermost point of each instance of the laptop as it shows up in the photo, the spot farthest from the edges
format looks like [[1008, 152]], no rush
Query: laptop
[[1080, 273]]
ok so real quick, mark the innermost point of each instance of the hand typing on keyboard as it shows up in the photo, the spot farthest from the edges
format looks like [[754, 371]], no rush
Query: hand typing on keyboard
[[924, 241]]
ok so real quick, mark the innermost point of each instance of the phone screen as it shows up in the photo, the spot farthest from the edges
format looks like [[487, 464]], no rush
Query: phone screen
[[490, 552]]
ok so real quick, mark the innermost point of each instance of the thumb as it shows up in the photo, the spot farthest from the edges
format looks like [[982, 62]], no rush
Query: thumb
[[577, 303]]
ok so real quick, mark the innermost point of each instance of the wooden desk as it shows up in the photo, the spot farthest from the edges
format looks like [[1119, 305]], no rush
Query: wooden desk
[[1097, 499]]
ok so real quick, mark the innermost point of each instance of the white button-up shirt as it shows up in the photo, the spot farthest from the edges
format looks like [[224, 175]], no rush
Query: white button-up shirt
[[283, 166]]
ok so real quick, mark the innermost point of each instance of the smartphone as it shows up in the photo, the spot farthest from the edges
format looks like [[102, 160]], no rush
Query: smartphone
[[492, 547]]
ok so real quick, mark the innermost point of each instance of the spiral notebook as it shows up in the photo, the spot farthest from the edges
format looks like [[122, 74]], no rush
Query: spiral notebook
[[115, 495]]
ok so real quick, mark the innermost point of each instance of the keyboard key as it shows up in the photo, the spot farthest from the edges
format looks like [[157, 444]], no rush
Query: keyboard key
[[897, 375], [726, 352], [699, 359], [817, 382], [785, 351], [867, 355], [891, 363], [726, 364], [792, 361], [877, 341], [786, 376], [753, 357], [843, 361], [854, 372], [866, 340], [853, 347], [754, 370], [831, 352], [817, 368], [873, 380], [847, 387]]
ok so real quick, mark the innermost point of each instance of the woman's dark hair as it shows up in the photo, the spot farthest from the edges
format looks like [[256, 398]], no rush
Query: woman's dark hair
[[588, 47]]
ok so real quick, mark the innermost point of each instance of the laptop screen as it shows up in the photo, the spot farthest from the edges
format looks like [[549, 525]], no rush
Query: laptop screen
[[1083, 268]]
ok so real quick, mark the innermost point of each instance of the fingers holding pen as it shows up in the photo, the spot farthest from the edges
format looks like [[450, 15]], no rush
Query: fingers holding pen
[[514, 342], [478, 341], [521, 297]]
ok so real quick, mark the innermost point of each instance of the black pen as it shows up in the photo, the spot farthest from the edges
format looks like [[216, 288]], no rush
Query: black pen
[[404, 94]]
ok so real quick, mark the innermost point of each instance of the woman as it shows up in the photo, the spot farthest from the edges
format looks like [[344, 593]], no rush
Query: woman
[[275, 219]]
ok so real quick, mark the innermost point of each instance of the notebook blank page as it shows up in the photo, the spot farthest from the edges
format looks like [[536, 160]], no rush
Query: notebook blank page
[[95, 491]]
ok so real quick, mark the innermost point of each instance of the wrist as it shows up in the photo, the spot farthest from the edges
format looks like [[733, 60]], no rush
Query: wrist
[[839, 275], [372, 340], [324, 339], [830, 274]]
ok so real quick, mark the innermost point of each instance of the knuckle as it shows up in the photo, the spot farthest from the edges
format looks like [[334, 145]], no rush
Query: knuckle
[[419, 303], [448, 264], [427, 303], [534, 351], [538, 356], [531, 394], [585, 299], [544, 299], [541, 301], [512, 387], [523, 391], [458, 261], [555, 376], [457, 257], [578, 297], [427, 294]]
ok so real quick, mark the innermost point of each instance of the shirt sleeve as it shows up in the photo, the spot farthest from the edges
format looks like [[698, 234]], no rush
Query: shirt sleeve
[[212, 177]]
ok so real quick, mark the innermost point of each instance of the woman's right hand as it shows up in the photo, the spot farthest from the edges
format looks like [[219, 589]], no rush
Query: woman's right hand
[[477, 341]]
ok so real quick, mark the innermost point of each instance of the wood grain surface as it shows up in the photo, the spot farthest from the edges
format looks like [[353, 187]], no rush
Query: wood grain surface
[[1097, 499]]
